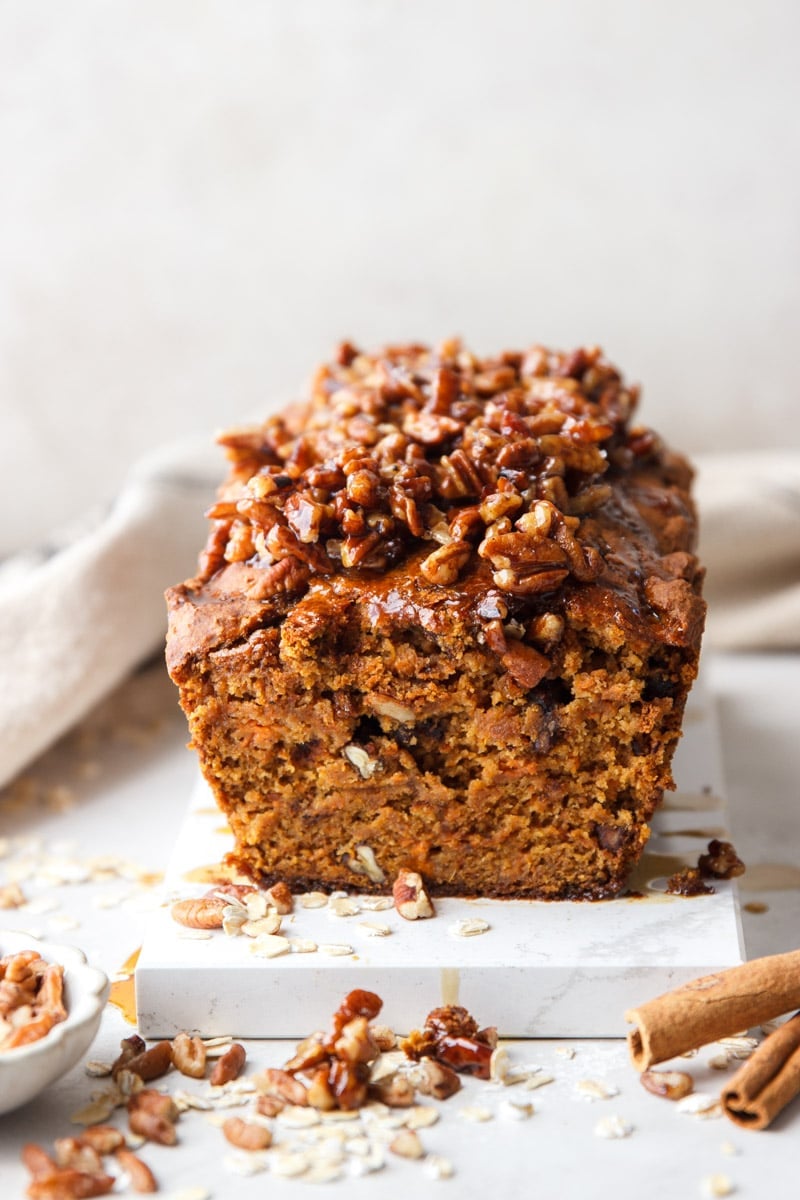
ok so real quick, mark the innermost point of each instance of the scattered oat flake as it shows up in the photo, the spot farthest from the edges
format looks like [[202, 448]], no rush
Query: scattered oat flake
[[614, 1126], [596, 1089], [289, 1164], [374, 928], [313, 900], [188, 1193], [63, 923], [365, 1164], [302, 945], [217, 1043], [469, 927], [728, 1148], [193, 935], [344, 906], [376, 903], [699, 1104], [245, 1164], [476, 1113], [717, 1185], [438, 1167], [186, 1100], [739, 1047], [323, 1172], [40, 905], [262, 925], [335, 948], [97, 1111], [421, 1116], [538, 1079], [406, 1144], [565, 1051], [719, 1062], [515, 1110], [295, 1116], [96, 1069], [269, 945], [499, 1065]]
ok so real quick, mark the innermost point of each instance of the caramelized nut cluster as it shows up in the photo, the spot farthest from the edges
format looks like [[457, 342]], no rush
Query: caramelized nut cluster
[[496, 459], [336, 1064], [452, 1037]]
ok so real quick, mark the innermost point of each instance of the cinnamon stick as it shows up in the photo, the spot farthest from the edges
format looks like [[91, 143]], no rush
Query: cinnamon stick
[[770, 1078], [712, 1007]]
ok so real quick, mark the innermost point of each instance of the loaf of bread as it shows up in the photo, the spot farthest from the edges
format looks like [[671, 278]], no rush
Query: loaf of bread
[[446, 621]]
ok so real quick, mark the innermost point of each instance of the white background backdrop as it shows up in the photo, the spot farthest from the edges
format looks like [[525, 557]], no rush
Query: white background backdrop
[[197, 200]]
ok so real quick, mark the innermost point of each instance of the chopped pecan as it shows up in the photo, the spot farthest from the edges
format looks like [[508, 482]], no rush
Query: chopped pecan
[[410, 897], [142, 1178], [672, 1085]]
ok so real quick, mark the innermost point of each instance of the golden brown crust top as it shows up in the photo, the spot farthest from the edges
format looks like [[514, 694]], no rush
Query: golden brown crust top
[[505, 481]]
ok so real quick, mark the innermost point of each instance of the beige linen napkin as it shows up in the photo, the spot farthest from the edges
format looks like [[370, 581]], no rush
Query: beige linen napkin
[[77, 621]]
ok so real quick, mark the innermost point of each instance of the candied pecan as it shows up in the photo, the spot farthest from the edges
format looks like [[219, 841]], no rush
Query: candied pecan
[[721, 861], [355, 1043], [275, 1082], [465, 1054], [320, 1095], [443, 565], [229, 1066], [452, 1019], [348, 1083], [246, 1135], [309, 1053]]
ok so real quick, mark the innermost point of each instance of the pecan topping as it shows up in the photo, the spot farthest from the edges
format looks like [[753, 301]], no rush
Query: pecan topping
[[415, 445]]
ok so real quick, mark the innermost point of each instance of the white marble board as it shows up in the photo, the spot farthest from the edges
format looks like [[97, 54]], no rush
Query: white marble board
[[542, 969]]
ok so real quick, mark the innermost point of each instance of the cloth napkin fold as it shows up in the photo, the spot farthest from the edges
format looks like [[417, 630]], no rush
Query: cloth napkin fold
[[76, 619]]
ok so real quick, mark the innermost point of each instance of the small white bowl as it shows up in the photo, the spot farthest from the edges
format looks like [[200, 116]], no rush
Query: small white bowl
[[27, 1070]]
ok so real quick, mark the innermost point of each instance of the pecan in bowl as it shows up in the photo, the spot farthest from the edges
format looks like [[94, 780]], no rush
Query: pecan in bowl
[[44, 1043]]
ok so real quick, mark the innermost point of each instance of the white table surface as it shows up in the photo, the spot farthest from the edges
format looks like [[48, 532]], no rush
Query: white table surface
[[118, 786]]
